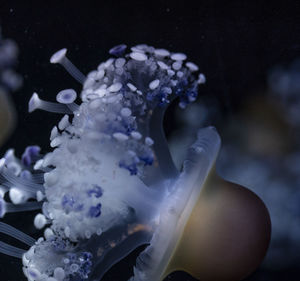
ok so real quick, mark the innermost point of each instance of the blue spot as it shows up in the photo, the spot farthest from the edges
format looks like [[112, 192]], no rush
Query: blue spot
[[132, 168], [69, 203], [72, 257], [191, 95], [118, 50], [30, 154], [96, 191], [178, 91], [188, 96], [85, 264], [95, 211], [180, 87], [184, 82], [147, 159], [26, 160], [163, 98], [25, 174], [182, 104], [85, 256], [150, 96], [58, 244], [33, 150], [32, 274], [128, 126]]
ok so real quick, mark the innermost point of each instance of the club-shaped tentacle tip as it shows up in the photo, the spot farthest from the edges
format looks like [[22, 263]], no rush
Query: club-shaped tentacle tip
[[118, 50], [58, 56], [34, 102], [17, 196], [66, 96]]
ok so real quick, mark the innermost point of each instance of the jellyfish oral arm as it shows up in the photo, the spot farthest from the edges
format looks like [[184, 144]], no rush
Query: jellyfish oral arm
[[160, 146], [153, 262], [60, 57]]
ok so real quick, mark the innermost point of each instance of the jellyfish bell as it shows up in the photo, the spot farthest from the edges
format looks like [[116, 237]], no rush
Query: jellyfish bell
[[227, 235], [211, 228]]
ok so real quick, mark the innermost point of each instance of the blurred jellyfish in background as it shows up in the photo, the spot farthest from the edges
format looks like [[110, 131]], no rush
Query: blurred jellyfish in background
[[9, 81], [284, 85], [261, 150]]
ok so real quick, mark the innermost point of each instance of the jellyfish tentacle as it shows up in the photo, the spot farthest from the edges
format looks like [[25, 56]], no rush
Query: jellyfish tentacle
[[73, 106], [11, 250], [36, 103], [24, 184], [60, 57], [30, 206], [116, 244], [12, 208], [21, 184], [17, 234], [38, 178], [160, 145], [179, 204]]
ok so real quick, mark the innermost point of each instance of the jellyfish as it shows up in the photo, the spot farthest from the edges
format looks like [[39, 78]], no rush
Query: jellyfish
[[109, 185], [9, 81]]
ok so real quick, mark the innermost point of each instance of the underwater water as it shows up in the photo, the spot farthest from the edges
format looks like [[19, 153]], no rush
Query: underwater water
[[262, 146], [235, 50]]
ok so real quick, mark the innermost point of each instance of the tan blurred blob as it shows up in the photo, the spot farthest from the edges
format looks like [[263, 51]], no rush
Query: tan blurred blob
[[226, 236], [232, 228], [10, 81], [7, 116]]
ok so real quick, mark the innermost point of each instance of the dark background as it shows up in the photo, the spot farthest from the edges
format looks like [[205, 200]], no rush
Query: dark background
[[235, 43]]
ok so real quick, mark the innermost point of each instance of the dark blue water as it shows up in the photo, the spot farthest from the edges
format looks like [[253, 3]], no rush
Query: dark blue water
[[235, 44]]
